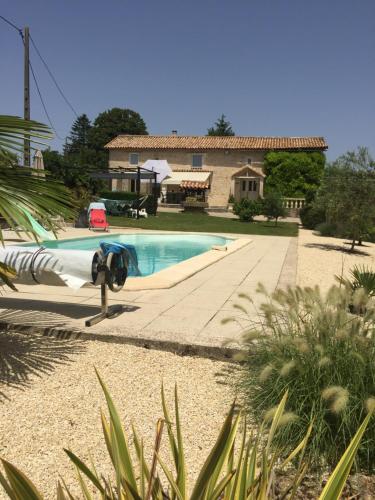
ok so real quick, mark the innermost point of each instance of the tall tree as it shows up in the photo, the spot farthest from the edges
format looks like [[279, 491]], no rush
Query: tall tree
[[108, 125], [78, 138], [222, 127], [348, 193]]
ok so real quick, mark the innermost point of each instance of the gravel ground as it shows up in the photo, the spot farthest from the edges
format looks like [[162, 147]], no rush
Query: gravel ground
[[321, 258], [50, 399]]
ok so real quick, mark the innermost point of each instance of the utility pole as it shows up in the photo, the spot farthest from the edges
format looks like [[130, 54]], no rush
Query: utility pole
[[26, 95]]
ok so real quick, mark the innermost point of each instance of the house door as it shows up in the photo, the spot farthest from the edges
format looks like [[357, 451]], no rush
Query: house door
[[246, 188]]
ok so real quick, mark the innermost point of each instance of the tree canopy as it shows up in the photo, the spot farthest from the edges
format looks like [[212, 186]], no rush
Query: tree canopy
[[222, 127], [294, 174], [108, 125], [84, 149], [78, 139], [347, 194]]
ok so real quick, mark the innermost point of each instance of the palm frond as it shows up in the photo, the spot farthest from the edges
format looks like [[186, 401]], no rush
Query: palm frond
[[13, 131]]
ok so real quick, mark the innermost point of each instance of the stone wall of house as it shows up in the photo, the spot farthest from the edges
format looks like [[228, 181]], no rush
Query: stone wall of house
[[223, 165]]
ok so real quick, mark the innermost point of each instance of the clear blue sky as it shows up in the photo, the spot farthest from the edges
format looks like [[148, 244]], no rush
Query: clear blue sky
[[273, 67]]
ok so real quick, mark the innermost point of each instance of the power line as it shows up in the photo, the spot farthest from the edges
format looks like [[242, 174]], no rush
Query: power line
[[43, 103], [53, 78], [11, 24], [40, 94], [35, 79]]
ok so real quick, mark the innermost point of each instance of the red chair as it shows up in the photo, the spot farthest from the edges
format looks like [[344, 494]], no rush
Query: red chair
[[98, 220]]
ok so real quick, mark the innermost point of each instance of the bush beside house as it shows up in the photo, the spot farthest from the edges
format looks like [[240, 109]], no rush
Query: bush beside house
[[294, 175], [247, 209]]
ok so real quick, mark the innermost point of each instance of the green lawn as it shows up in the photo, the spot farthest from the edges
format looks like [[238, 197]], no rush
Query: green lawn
[[206, 223]]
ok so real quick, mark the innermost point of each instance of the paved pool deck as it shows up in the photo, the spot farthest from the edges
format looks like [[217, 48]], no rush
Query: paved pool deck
[[187, 317]]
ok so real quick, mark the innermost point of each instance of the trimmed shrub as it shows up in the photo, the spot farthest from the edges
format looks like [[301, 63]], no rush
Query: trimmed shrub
[[313, 346], [311, 216], [327, 229], [247, 209], [119, 195]]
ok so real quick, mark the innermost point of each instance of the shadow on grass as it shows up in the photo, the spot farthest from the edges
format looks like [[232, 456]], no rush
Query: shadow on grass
[[336, 248], [24, 356]]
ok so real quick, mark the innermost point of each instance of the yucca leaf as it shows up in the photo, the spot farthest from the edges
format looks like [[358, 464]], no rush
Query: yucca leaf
[[172, 482], [125, 461], [7, 487], [300, 448], [218, 454], [181, 473], [107, 434], [128, 488], [159, 431], [138, 445], [230, 468], [226, 457], [276, 421], [243, 473], [221, 486], [21, 485], [142, 471], [60, 495], [237, 477], [71, 497], [83, 485], [252, 465], [337, 479], [86, 471], [172, 439]]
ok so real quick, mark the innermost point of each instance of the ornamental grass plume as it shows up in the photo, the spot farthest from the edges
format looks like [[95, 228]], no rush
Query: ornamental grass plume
[[315, 346]]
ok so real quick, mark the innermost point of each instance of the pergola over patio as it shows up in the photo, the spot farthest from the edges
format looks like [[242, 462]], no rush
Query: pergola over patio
[[130, 173]]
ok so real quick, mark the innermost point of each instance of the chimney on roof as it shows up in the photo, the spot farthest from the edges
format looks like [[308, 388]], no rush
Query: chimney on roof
[[174, 132]]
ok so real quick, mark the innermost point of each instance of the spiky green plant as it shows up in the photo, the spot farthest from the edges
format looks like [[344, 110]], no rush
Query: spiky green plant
[[21, 190], [360, 277], [232, 471], [311, 345]]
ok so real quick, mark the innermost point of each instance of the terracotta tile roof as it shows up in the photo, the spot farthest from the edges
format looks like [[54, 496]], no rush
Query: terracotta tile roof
[[201, 143]]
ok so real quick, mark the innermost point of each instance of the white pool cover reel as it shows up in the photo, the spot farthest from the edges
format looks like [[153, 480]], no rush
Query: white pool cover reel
[[72, 268]]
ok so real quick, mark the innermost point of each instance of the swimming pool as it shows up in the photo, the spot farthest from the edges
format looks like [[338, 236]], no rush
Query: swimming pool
[[155, 251]]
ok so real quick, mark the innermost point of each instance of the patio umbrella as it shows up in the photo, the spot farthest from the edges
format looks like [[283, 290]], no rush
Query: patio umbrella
[[38, 162]]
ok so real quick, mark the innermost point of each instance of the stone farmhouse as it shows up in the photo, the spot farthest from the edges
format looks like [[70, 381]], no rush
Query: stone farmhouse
[[210, 168]]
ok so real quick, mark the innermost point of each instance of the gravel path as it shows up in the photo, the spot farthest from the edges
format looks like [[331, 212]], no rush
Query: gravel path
[[50, 399], [321, 258]]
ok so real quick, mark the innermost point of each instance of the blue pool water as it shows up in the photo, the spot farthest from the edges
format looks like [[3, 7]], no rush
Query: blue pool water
[[155, 251]]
